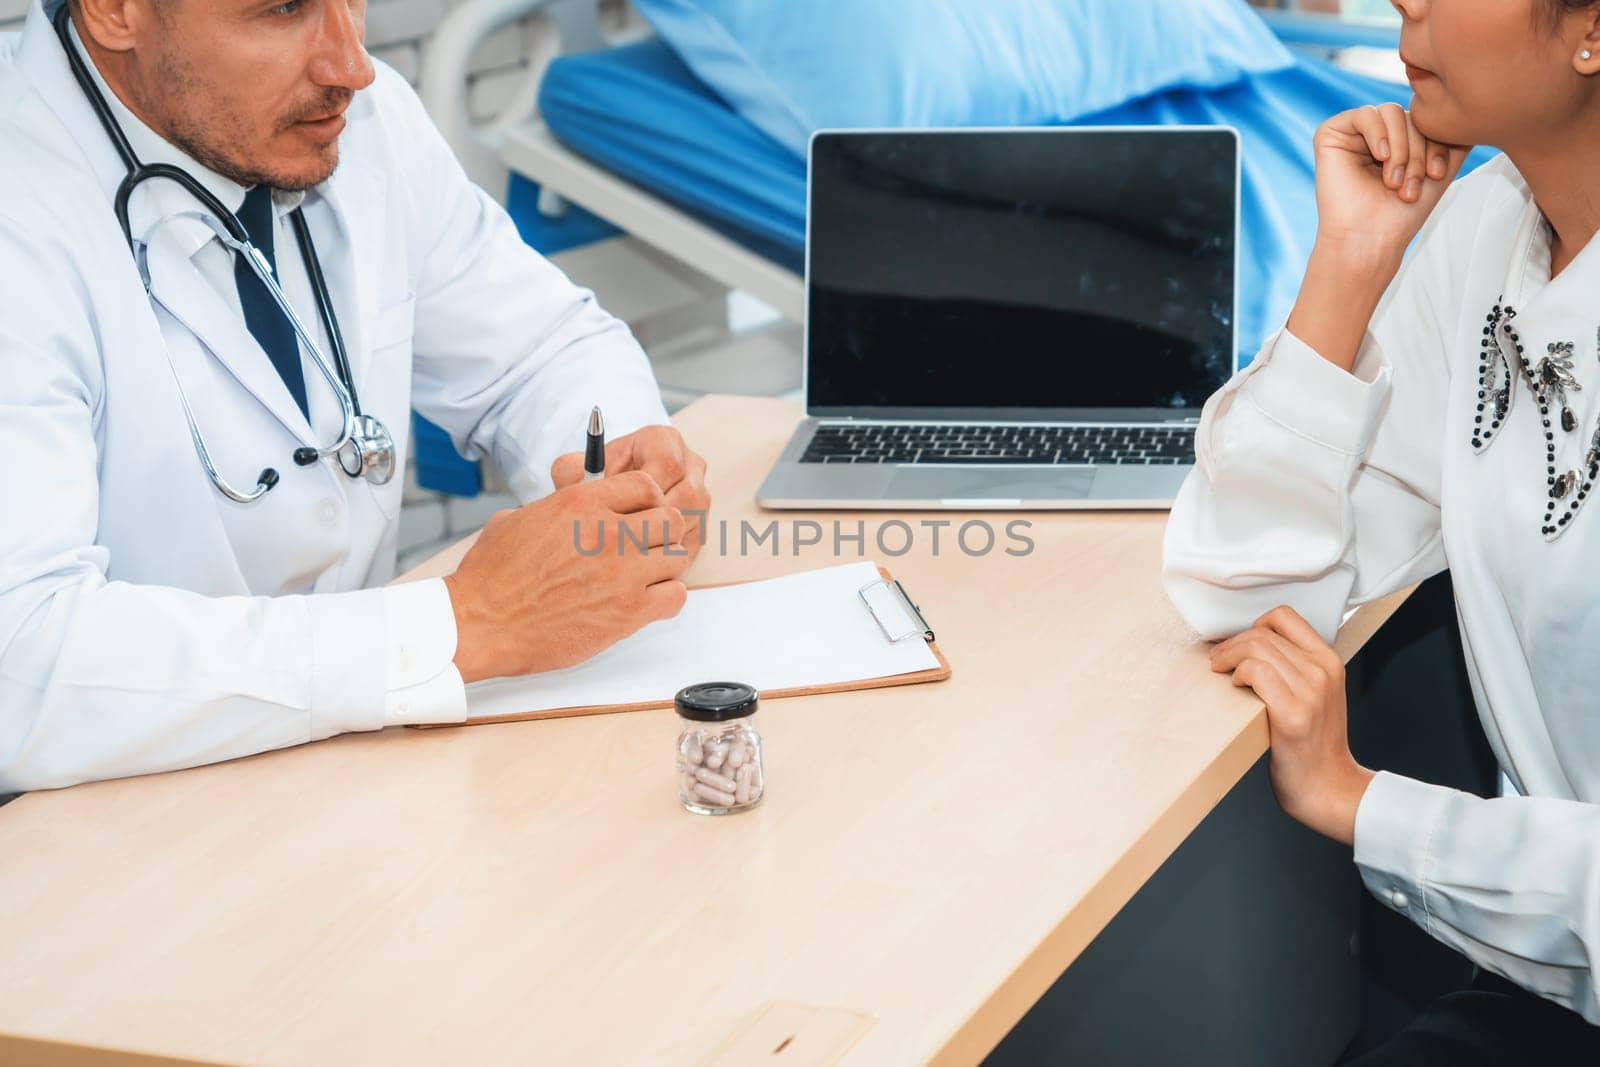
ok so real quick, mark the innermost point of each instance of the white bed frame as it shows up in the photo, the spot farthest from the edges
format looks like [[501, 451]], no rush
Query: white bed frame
[[670, 275]]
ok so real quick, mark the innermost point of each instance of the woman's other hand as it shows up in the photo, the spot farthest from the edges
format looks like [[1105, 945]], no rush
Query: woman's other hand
[[1301, 680]]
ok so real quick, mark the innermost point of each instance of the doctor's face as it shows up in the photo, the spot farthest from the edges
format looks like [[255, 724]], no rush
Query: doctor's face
[[252, 89], [1496, 72]]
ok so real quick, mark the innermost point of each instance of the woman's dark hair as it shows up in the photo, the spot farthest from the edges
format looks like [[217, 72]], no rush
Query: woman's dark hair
[[1555, 10]]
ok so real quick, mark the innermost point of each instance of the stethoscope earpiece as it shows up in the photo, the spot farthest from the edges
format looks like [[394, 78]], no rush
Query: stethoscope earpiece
[[268, 479]]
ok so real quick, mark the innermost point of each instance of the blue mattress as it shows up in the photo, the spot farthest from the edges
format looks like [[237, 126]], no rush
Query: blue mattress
[[640, 113]]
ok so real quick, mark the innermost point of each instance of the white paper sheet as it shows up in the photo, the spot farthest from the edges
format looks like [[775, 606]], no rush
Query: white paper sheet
[[805, 629]]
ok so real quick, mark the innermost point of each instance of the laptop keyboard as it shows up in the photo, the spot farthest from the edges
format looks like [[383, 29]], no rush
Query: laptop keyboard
[[1002, 445]]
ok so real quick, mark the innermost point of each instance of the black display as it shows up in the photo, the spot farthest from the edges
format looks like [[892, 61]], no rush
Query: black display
[[1031, 271]]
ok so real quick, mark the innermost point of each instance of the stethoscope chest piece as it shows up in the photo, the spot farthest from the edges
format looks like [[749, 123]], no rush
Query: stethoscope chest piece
[[370, 452]]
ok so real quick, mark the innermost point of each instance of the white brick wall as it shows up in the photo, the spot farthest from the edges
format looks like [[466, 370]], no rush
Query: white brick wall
[[397, 30]]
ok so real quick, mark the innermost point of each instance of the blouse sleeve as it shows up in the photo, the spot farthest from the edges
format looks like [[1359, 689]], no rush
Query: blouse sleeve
[[1512, 883], [1319, 488]]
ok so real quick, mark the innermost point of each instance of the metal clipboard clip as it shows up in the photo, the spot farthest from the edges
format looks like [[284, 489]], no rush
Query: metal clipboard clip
[[920, 627]]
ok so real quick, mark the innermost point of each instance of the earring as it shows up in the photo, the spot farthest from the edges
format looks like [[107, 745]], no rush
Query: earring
[[1585, 55]]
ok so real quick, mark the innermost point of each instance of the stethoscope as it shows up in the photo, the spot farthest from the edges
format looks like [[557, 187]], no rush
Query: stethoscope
[[365, 448]]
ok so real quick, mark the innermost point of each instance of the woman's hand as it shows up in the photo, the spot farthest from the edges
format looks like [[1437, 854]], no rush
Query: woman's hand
[[1378, 179], [1301, 680]]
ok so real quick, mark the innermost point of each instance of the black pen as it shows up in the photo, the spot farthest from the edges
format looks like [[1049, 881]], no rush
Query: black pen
[[594, 453]]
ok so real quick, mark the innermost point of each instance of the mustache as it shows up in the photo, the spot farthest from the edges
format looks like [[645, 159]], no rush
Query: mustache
[[331, 102]]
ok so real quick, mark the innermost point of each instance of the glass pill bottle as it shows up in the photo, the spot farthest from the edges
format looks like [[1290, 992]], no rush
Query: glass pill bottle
[[720, 768]]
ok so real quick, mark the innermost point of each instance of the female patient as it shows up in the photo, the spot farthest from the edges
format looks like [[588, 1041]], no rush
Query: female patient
[[1441, 413]]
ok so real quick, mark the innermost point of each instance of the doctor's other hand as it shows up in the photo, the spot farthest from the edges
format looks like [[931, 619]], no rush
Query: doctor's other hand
[[662, 453], [1302, 682], [1378, 180], [553, 583]]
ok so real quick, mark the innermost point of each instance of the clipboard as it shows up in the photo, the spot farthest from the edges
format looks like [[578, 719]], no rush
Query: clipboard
[[878, 599]]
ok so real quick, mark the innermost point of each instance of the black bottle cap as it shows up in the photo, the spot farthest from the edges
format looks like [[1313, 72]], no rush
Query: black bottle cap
[[717, 701]]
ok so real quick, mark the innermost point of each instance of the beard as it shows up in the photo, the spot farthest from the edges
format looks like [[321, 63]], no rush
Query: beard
[[215, 140]]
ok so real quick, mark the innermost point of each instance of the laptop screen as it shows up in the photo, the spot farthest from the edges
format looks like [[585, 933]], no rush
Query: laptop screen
[[1042, 273]]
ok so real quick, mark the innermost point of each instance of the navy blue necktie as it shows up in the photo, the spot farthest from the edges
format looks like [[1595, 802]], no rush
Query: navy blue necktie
[[262, 314]]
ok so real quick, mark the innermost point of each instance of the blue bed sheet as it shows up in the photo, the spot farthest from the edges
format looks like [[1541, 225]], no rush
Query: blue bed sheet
[[639, 112]]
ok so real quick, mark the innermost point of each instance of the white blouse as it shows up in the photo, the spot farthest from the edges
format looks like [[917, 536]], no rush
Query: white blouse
[[1323, 489]]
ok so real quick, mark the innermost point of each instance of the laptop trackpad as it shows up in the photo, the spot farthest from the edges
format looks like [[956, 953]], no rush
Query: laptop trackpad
[[989, 483]]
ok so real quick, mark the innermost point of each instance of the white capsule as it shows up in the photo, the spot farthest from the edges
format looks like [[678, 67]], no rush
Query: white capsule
[[741, 791], [691, 749], [687, 784], [737, 754], [757, 780], [715, 780], [713, 795], [716, 754]]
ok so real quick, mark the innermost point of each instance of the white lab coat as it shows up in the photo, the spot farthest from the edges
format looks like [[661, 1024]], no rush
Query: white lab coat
[[148, 623], [1321, 489]]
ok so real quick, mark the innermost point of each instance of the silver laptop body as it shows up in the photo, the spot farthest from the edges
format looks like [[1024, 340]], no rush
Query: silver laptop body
[[1012, 319]]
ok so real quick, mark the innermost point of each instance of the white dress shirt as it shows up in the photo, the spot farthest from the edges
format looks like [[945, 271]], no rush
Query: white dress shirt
[[1323, 489]]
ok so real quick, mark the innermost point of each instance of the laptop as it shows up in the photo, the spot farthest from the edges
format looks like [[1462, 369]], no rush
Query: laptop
[[1012, 319]]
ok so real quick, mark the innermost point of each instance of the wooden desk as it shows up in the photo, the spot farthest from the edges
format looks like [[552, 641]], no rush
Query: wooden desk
[[928, 860]]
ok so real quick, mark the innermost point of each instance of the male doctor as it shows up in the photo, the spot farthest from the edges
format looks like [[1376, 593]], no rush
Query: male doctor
[[147, 620]]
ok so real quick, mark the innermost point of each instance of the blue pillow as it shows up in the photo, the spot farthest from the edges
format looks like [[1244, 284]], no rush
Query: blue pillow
[[791, 68]]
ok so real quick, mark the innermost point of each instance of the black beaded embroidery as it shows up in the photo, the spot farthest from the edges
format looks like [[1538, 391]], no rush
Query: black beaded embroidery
[[1551, 379]]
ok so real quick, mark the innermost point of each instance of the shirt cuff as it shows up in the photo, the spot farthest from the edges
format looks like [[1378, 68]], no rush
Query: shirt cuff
[[344, 687], [424, 685], [1301, 390], [1395, 827]]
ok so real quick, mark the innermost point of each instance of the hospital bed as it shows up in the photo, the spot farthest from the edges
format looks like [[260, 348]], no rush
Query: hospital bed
[[693, 201]]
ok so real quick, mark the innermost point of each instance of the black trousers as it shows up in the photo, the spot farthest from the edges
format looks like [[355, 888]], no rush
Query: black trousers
[[1492, 1023]]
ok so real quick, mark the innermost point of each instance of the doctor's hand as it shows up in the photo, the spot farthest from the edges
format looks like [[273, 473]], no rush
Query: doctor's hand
[[553, 583], [662, 453], [1379, 178], [1301, 680]]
